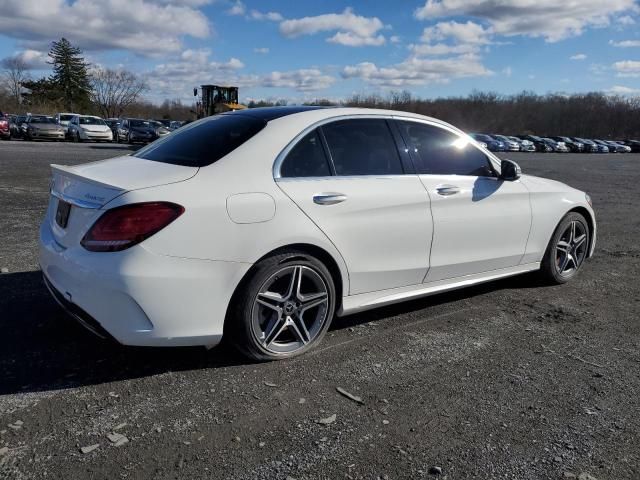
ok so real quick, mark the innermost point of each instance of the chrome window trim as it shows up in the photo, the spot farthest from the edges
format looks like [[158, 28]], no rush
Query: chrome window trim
[[435, 123]]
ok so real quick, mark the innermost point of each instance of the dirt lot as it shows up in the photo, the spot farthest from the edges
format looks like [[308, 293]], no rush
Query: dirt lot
[[507, 380]]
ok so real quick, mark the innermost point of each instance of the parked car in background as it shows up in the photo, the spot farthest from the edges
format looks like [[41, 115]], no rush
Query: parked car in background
[[525, 145], [589, 146], [574, 146], [15, 125], [113, 124], [175, 124], [634, 145], [604, 144], [164, 122], [89, 128], [617, 147], [557, 146], [161, 129], [493, 145], [42, 127], [63, 119], [136, 130], [5, 127], [510, 145], [539, 143]]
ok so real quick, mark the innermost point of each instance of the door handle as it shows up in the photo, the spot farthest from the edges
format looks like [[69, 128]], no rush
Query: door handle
[[446, 190], [329, 198]]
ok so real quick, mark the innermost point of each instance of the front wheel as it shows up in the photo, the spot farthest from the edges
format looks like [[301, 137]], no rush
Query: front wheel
[[284, 309], [567, 249]]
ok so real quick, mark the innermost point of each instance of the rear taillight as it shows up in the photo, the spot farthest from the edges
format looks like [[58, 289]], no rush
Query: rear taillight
[[4, 124], [122, 227]]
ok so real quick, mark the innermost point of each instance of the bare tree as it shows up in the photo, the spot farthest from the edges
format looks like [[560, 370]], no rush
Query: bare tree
[[115, 90], [15, 72]]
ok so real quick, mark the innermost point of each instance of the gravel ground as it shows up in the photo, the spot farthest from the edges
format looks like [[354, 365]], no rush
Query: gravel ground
[[510, 379]]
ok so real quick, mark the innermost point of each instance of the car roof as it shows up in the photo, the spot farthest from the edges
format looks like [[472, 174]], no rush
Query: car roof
[[271, 113]]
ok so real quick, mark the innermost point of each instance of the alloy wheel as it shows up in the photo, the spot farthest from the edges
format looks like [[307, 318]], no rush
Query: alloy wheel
[[290, 309], [571, 248]]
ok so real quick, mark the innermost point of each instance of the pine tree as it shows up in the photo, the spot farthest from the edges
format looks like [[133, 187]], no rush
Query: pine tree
[[70, 74]]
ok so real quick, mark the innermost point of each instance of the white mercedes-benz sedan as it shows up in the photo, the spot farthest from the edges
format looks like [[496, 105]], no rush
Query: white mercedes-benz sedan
[[262, 225]]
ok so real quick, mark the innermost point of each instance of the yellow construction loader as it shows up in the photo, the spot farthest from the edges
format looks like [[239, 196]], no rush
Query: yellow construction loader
[[216, 99]]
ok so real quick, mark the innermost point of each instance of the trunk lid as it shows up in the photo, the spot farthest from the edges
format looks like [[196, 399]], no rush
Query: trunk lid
[[89, 187]]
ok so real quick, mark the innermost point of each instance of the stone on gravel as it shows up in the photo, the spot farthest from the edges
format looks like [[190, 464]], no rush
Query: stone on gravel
[[328, 421], [4, 270], [117, 439], [350, 396], [120, 426], [385, 422], [270, 384], [435, 471], [4, 450], [586, 476], [568, 475], [89, 448]]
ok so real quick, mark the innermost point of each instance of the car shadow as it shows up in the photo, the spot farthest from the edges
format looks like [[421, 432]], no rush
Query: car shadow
[[43, 349], [112, 146]]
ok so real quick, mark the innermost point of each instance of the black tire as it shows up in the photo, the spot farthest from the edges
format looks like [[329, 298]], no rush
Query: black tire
[[239, 327], [553, 259]]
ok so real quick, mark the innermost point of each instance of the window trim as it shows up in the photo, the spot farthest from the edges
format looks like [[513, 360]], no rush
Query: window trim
[[492, 160]]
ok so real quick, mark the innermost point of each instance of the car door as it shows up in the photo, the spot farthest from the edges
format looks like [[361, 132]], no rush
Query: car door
[[481, 223], [349, 178]]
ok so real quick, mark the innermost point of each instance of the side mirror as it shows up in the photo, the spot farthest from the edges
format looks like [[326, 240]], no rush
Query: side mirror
[[510, 170]]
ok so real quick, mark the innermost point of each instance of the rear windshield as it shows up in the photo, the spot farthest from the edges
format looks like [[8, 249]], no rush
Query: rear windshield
[[204, 142]]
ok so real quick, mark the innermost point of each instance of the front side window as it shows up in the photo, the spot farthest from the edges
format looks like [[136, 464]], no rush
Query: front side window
[[440, 152], [306, 159], [362, 147]]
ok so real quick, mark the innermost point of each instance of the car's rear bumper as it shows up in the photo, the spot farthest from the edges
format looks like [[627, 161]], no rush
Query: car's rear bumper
[[139, 297]]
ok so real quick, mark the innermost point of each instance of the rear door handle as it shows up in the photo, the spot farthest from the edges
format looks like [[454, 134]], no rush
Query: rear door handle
[[329, 198], [446, 190]]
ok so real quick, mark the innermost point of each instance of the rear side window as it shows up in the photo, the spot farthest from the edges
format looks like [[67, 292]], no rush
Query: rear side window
[[362, 147], [203, 143], [440, 152], [306, 159]]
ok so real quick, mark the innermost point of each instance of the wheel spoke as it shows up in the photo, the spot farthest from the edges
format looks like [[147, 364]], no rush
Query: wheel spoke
[[294, 284], [564, 263], [304, 338], [579, 241], [563, 246], [270, 300], [275, 328], [572, 235], [313, 300]]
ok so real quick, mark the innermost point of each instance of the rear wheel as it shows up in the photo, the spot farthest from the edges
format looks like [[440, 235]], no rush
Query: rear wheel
[[567, 249], [284, 309]]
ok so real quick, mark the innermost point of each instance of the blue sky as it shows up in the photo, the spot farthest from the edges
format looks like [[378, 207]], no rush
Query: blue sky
[[333, 49]]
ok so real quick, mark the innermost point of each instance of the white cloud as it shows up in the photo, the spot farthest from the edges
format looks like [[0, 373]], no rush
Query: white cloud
[[352, 30], [464, 33], [261, 50], [442, 49], [417, 71], [141, 26], [507, 71], [271, 16], [625, 20], [627, 68], [622, 90], [191, 68], [238, 8], [625, 43], [578, 57], [33, 59], [550, 19], [394, 39], [303, 80]]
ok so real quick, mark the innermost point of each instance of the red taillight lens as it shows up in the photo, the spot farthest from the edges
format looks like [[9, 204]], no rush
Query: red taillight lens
[[122, 227], [4, 123]]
